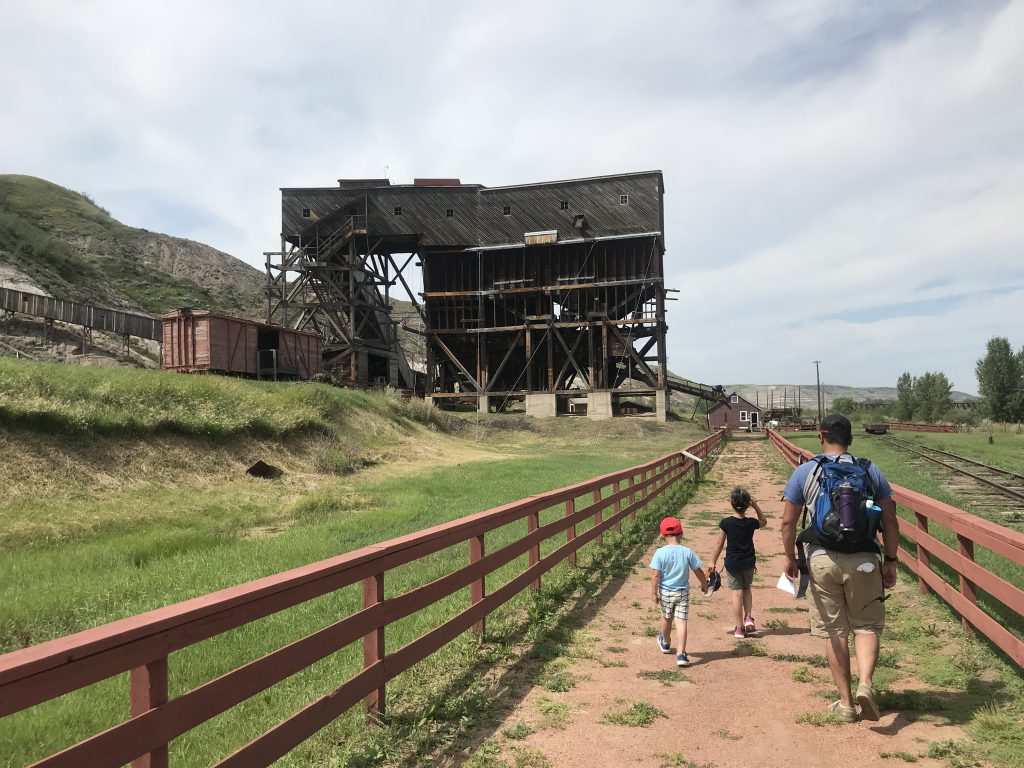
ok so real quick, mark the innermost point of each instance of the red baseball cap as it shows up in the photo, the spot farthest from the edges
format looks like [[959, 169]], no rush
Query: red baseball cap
[[671, 526]]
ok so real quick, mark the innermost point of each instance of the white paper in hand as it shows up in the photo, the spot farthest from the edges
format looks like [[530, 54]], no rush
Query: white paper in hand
[[786, 585]]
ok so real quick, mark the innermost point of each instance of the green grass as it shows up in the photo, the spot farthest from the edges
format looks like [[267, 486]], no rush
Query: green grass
[[636, 714], [554, 714], [95, 578], [664, 676], [776, 624], [748, 648], [904, 756], [803, 674], [820, 719], [66, 400], [518, 731]]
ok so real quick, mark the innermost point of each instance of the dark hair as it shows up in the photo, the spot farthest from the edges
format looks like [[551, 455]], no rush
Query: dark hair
[[740, 499]]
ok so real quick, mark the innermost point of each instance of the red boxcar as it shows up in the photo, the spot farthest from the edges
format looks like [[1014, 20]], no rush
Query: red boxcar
[[196, 340]]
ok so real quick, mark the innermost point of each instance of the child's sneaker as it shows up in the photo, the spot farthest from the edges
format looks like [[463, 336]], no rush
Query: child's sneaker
[[665, 647], [682, 660], [739, 632], [748, 624]]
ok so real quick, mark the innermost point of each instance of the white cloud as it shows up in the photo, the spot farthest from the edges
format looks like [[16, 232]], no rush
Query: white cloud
[[818, 156]]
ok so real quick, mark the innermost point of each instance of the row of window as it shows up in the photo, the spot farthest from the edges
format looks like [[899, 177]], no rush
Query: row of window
[[563, 205]]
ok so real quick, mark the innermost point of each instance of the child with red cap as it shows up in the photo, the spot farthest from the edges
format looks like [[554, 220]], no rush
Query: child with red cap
[[670, 587]]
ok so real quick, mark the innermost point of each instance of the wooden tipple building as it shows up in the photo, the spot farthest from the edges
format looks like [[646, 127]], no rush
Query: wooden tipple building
[[536, 292]]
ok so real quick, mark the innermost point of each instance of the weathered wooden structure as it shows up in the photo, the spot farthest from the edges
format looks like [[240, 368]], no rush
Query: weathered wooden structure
[[196, 341], [735, 413], [91, 318], [538, 292]]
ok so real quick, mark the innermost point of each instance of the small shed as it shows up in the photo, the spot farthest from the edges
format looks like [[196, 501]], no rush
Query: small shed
[[736, 413], [195, 340]]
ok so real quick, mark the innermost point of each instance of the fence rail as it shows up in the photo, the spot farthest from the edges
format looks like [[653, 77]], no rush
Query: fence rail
[[907, 426], [141, 644], [970, 530]]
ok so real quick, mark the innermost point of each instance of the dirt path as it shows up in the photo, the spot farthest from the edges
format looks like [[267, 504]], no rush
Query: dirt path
[[727, 709]]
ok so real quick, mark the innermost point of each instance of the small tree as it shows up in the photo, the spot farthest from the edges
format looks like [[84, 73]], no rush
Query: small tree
[[999, 380], [905, 397], [844, 405], [932, 396]]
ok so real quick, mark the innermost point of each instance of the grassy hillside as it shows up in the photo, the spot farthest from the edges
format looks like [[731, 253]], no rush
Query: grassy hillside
[[74, 249], [808, 393]]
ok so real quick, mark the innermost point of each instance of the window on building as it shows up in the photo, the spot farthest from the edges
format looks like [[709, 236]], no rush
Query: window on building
[[743, 415], [735, 398], [306, 213], [449, 213], [506, 211], [398, 210], [623, 199], [563, 205]]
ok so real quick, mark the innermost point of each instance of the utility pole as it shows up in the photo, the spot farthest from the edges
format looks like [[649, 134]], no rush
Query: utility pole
[[821, 405]]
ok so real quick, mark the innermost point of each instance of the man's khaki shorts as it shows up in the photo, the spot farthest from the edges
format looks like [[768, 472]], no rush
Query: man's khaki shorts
[[845, 594]]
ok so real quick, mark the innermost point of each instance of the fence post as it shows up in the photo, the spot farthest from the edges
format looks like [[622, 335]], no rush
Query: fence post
[[373, 642], [632, 497], [596, 499], [967, 588], [148, 689], [532, 524], [922, 553], [570, 533], [617, 508], [476, 552]]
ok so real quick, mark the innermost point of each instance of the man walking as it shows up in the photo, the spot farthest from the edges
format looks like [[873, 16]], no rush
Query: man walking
[[847, 501]]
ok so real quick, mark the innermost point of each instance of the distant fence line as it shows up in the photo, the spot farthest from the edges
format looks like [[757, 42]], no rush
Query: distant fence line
[[76, 313], [141, 644], [970, 530]]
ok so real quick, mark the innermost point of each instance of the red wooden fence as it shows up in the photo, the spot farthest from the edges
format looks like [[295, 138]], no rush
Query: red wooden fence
[[141, 644], [970, 530], [907, 426]]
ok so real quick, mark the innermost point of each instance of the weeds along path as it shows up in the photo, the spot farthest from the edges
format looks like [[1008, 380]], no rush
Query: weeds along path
[[615, 700]]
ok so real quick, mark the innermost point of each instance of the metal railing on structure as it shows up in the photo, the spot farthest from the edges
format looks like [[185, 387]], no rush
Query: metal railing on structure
[[141, 644], [970, 530]]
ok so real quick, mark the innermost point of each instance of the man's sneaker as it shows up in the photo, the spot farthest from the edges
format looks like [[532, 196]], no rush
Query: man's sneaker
[[739, 632], [748, 624], [665, 647], [866, 702], [846, 714], [682, 660]]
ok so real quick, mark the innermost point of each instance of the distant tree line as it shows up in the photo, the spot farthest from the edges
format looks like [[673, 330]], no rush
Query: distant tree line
[[1001, 381]]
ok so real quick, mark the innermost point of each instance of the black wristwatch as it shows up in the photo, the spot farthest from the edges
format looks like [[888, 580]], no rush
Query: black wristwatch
[[891, 559]]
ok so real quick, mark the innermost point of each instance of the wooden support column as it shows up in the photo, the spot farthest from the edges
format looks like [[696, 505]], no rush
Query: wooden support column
[[922, 553], [632, 497], [618, 507], [967, 587], [373, 643], [597, 513], [532, 524], [149, 690], [549, 337], [570, 533], [604, 383], [477, 588], [529, 358]]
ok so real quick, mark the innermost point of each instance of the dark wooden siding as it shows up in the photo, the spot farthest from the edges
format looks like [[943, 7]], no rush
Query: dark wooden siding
[[725, 416], [478, 213]]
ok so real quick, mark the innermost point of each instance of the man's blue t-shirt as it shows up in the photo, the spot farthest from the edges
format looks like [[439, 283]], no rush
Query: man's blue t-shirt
[[674, 562], [796, 488]]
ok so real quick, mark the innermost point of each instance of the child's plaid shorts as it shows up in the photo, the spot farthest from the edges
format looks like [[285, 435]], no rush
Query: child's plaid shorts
[[674, 603]]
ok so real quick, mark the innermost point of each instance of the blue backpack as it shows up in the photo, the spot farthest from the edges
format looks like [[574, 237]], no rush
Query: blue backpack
[[844, 515]]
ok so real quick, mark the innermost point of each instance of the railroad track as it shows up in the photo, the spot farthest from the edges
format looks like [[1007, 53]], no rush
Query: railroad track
[[993, 489]]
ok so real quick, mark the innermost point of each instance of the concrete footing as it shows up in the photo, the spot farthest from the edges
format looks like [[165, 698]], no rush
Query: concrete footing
[[542, 405], [661, 404], [599, 405], [483, 404]]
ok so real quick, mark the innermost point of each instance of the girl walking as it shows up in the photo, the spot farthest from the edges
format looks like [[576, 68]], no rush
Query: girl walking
[[737, 537]]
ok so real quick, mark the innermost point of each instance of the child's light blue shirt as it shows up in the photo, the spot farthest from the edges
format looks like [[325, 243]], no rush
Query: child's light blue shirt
[[674, 562]]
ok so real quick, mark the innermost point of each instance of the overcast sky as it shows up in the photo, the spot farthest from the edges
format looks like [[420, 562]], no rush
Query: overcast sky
[[845, 180]]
